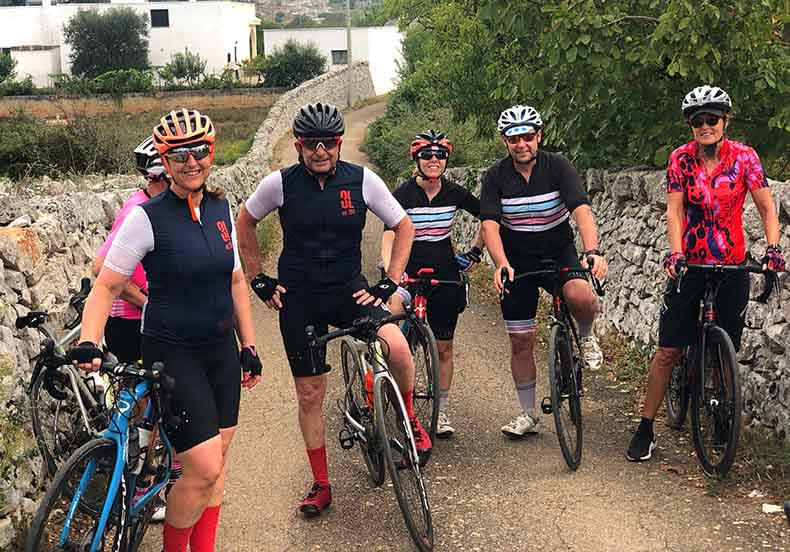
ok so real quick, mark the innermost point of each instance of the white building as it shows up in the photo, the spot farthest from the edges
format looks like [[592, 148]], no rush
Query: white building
[[380, 46], [221, 32]]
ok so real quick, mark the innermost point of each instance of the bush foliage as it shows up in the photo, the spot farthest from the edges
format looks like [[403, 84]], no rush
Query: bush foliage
[[288, 66], [607, 76], [106, 41], [184, 68]]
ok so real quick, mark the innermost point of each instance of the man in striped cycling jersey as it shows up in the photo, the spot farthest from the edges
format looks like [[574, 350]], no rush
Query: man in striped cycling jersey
[[526, 202]]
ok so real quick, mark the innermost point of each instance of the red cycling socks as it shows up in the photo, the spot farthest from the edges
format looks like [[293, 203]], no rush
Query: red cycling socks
[[319, 465], [175, 539], [204, 533], [408, 402]]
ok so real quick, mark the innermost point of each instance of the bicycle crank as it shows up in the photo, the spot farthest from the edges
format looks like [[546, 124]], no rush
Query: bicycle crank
[[346, 439]]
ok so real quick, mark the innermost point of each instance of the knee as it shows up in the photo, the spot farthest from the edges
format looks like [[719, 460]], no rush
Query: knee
[[309, 396], [522, 343], [665, 359], [203, 475], [445, 350]]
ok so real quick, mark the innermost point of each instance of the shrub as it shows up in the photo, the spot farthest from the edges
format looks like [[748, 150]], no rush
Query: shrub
[[7, 67], [123, 81], [22, 87], [184, 68], [292, 64]]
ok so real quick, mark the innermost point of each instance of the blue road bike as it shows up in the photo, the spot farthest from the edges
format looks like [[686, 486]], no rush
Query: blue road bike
[[102, 498]]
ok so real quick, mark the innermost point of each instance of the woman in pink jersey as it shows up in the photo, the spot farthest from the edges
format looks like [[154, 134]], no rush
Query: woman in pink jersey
[[122, 332]]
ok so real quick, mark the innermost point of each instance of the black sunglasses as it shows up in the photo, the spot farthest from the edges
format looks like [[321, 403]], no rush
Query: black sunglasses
[[181, 155], [710, 120], [515, 139], [440, 154], [328, 143]]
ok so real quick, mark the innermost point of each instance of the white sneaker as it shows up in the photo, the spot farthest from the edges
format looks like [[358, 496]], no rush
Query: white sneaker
[[591, 351], [159, 513], [520, 426], [444, 428]]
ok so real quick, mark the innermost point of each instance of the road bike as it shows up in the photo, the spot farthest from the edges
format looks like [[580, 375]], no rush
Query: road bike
[[374, 416], [102, 498], [67, 405], [565, 360], [707, 376]]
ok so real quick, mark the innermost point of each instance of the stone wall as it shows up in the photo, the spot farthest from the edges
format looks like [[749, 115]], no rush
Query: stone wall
[[630, 206], [47, 243], [50, 107]]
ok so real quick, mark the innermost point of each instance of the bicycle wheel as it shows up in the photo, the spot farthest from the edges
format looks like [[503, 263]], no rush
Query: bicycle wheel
[[565, 397], [57, 422], [90, 469], [156, 466], [403, 464], [677, 395], [426, 378], [357, 405], [716, 405]]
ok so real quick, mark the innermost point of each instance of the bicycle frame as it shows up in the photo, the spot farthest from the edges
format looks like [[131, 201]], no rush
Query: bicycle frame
[[118, 432]]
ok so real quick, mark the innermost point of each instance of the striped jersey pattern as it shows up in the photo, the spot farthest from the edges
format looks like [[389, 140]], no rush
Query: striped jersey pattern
[[432, 224], [534, 213]]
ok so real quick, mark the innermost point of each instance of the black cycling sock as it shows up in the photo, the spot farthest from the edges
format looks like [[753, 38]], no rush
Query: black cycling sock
[[646, 425]]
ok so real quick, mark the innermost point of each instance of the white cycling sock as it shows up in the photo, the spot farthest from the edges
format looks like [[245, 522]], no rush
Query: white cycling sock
[[444, 399], [585, 328], [525, 392]]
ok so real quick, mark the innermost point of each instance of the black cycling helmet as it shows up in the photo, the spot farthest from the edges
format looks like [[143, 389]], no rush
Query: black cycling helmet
[[318, 120]]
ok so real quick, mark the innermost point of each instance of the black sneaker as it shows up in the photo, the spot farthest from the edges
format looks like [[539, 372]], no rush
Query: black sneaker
[[642, 445]]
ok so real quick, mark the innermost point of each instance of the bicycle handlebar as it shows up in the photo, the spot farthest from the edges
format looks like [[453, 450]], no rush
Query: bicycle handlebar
[[361, 326], [77, 302], [431, 281], [552, 269], [771, 277]]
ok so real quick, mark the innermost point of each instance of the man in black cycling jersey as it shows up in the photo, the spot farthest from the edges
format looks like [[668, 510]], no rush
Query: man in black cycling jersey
[[322, 204], [526, 202]]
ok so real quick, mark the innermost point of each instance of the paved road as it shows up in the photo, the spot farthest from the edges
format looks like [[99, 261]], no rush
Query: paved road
[[487, 493]]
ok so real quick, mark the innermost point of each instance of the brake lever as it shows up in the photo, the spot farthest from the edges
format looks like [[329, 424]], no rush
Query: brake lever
[[771, 285], [504, 277]]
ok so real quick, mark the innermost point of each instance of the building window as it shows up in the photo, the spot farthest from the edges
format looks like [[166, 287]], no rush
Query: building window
[[339, 57], [160, 18]]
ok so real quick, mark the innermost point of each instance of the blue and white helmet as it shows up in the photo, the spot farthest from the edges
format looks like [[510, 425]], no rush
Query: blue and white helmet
[[147, 160], [518, 120], [706, 99]]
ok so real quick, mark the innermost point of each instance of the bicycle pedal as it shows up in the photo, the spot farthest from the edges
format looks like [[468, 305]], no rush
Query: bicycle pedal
[[545, 405], [346, 439]]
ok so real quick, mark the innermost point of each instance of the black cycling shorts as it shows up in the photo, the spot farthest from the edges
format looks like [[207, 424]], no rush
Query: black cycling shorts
[[680, 312], [520, 306], [445, 303], [123, 339], [302, 308], [207, 390]]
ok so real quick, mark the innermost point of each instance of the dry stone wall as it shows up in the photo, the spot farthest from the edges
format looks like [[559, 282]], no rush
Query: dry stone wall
[[47, 243], [630, 206]]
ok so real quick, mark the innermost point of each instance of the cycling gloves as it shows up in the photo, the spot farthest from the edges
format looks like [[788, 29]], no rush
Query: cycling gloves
[[250, 361], [85, 352], [467, 260], [264, 286], [674, 260], [383, 289], [773, 258]]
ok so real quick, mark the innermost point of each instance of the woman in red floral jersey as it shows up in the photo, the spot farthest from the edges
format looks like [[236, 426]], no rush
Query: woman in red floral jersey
[[707, 182]]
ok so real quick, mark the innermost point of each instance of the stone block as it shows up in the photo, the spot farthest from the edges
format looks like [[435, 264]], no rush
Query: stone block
[[20, 248]]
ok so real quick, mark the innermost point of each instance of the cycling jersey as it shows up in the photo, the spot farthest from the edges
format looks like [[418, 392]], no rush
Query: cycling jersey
[[713, 203], [433, 223], [533, 216], [189, 265], [120, 308], [322, 227]]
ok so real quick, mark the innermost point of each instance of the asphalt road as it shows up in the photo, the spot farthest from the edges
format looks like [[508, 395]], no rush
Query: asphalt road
[[487, 493]]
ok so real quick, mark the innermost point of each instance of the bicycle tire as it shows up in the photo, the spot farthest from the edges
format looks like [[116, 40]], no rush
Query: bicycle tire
[[100, 454], [403, 464], [678, 396], [716, 416], [422, 344], [357, 405], [565, 397], [138, 525], [57, 424]]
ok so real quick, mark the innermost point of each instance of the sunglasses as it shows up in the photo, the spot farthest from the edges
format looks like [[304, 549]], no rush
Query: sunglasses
[[514, 140], [425, 155], [181, 155], [313, 144], [710, 120]]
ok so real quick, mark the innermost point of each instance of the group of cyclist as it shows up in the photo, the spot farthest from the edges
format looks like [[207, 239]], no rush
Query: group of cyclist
[[176, 253]]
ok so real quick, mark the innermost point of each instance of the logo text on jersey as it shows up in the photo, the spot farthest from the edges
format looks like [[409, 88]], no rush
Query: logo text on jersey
[[346, 205], [223, 232]]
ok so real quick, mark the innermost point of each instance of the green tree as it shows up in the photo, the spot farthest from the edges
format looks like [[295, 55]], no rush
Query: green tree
[[7, 68], [105, 41], [184, 68], [292, 64]]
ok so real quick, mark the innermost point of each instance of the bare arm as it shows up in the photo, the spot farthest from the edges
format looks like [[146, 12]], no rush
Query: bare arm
[[767, 209], [387, 239], [130, 293], [107, 287], [493, 242], [249, 247], [674, 228], [242, 310], [403, 236], [585, 222], [478, 241]]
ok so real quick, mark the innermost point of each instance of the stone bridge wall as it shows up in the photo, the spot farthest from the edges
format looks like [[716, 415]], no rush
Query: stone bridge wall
[[47, 243], [630, 206]]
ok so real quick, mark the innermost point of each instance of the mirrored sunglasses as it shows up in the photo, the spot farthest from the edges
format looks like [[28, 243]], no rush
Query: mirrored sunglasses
[[710, 120], [328, 143], [514, 140], [180, 155], [440, 154]]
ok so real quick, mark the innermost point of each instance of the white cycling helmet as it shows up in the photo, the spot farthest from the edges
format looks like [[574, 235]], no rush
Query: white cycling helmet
[[706, 99], [147, 159], [518, 120]]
